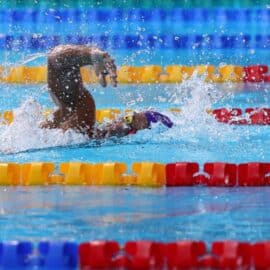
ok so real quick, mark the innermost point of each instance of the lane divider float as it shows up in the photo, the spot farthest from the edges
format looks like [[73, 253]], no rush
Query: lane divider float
[[232, 116], [144, 15], [143, 174], [145, 41], [235, 116], [148, 74], [7, 117], [79, 173], [142, 254]]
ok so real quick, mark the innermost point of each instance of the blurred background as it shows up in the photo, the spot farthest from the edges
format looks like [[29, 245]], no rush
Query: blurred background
[[140, 32]]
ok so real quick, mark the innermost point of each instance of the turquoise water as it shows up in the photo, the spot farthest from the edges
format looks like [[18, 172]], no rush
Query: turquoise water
[[125, 213], [161, 57], [87, 213], [197, 137], [122, 214]]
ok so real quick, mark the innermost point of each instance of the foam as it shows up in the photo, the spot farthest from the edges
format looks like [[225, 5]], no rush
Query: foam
[[24, 132], [194, 124]]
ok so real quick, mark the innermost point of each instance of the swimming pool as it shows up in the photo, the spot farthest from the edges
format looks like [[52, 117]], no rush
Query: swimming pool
[[129, 213], [197, 136]]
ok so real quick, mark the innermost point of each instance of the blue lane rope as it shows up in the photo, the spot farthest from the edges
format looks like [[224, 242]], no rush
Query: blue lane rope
[[110, 255], [163, 41], [144, 15]]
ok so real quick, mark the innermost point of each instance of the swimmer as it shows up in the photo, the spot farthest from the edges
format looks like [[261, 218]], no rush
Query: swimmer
[[76, 106]]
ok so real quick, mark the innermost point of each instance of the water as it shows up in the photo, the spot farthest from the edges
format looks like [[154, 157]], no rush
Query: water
[[161, 57], [89, 213], [196, 136], [124, 213]]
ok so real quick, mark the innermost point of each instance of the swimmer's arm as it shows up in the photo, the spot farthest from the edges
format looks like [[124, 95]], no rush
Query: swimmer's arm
[[64, 124], [114, 129], [72, 55], [66, 56], [54, 122], [70, 123]]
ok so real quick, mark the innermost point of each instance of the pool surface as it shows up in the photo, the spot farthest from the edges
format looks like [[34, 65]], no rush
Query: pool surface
[[165, 214], [129, 213], [196, 136]]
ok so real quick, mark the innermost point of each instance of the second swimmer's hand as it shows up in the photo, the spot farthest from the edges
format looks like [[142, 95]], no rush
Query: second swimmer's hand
[[104, 65]]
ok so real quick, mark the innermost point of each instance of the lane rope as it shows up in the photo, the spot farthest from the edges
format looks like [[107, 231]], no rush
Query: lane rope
[[143, 254], [232, 116], [149, 41], [64, 15], [144, 174], [149, 74]]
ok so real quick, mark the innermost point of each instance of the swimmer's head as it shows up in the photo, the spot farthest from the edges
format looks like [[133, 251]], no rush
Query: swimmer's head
[[143, 120]]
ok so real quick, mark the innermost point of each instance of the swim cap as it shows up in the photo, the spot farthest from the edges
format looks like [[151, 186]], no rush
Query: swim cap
[[154, 117]]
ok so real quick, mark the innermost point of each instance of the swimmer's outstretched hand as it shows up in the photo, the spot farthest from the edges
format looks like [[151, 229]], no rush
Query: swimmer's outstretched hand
[[104, 65]]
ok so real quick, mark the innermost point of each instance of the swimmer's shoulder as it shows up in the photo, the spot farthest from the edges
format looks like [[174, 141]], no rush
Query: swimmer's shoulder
[[65, 48]]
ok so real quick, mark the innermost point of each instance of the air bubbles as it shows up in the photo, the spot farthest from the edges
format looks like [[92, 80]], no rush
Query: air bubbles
[[131, 103], [194, 97]]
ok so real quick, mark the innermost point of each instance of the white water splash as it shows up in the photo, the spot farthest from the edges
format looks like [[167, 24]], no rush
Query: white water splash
[[195, 117], [193, 124], [24, 132], [194, 97]]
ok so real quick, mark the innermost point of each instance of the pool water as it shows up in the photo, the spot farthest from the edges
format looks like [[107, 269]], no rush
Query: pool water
[[196, 135], [128, 213], [166, 214], [124, 213]]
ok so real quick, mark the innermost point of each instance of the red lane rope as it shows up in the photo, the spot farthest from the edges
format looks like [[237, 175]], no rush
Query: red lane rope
[[218, 174], [235, 116]]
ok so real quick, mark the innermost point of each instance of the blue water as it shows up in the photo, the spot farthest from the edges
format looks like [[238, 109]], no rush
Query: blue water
[[80, 213], [161, 57], [87, 213], [217, 142], [125, 213]]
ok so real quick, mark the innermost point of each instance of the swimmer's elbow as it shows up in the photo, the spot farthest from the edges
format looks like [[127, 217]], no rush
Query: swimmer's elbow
[[57, 57], [69, 55]]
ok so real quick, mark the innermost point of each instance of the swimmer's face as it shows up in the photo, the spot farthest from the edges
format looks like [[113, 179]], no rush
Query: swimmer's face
[[139, 121]]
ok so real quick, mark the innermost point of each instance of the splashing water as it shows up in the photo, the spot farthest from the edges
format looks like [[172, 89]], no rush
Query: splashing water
[[28, 59], [194, 95], [24, 132]]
